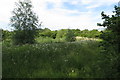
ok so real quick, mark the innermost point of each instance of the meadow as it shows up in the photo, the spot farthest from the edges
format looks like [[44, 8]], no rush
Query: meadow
[[80, 59], [30, 51]]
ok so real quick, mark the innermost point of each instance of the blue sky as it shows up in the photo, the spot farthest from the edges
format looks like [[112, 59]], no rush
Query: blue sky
[[62, 14]]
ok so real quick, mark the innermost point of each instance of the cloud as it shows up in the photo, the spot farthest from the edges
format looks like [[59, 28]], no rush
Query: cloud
[[5, 9], [55, 14], [93, 6], [87, 1]]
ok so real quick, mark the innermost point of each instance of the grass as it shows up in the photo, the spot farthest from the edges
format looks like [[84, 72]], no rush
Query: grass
[[52, 60], [49, 40]]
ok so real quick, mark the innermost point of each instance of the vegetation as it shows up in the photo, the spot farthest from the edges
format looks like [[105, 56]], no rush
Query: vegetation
[[52, 60], [65, 53], [25, 23], [111, 42]]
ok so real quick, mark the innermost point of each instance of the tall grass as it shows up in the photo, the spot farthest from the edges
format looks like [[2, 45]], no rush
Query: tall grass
[[52, 60]]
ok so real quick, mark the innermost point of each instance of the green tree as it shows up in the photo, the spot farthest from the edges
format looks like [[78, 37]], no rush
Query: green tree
[[61, 33], [25, 22], [6, 35], [65, 35], [111, 43], [112, 25], [47, 33], [94, 33], [70, 37], [84, 33], [76, 32], [54, 33]]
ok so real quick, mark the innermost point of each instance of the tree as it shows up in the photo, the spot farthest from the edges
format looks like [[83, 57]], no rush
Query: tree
[[61, 33], [76, 32], [70, 37], [94, 34], [6, 35], [65, 35], [25, 22], [111, 43], [84, 33], [112, 25]]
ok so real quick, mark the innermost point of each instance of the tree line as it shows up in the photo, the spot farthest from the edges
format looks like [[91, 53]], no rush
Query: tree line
[[70, 33]]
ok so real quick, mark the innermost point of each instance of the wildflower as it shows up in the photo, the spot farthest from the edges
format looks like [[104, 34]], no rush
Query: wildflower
[[73, 70], [14, 63], [65, 60]]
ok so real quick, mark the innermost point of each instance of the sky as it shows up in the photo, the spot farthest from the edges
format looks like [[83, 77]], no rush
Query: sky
[[62, 14]]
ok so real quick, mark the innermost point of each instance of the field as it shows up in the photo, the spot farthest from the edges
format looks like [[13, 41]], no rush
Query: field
[[79, 59], [65, 43]]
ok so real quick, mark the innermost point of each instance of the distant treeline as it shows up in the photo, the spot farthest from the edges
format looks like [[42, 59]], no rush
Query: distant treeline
[[6, 35]]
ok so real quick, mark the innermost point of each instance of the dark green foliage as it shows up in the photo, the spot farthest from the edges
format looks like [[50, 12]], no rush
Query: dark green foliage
[[54, 33], [52, 60], [87, 33], [90, 34], [69, 37], [61, 33], [6, 35], [94, 34], [48, 33], [111, 43], [25, 23], [84, 33], [65, 35], [24, 36], [76, 32]]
